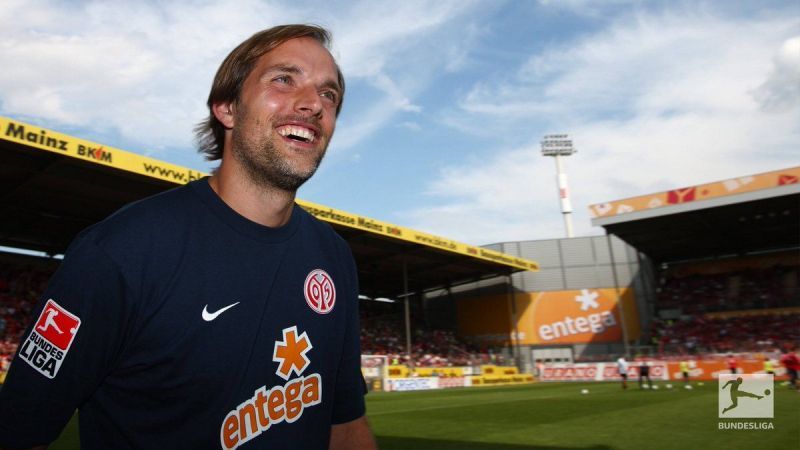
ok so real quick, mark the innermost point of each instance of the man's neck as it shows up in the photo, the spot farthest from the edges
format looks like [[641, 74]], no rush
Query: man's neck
[[266, 206]]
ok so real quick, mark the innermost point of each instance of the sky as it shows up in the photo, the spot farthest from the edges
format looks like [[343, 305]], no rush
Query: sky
[[447, 101]]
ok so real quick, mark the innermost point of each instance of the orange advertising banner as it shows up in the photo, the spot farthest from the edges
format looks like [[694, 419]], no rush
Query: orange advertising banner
[[584, 316], [733, 186], [553, 317]]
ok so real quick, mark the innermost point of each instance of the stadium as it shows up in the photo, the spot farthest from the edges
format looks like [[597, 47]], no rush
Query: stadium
[[510, 345]]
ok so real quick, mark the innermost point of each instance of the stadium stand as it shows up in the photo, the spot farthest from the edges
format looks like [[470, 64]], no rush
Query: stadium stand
[[22, 279], [382, 333], [740, 333], [747, 304], [769, 281], [726, 263]]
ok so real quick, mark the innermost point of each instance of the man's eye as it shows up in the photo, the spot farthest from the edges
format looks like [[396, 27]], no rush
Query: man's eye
[[330, 95], [282, 79]]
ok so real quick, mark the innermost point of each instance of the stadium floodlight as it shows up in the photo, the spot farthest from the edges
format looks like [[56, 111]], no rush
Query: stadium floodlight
[[558, 145]]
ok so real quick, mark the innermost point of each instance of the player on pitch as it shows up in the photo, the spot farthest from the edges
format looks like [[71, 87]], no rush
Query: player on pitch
[[218, 314], [622, 369]]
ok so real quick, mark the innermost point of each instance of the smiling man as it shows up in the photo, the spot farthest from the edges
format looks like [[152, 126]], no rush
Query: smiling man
[[219, 314]]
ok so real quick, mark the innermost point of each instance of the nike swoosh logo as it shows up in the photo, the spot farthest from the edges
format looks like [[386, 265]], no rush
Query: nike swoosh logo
[[208, 317]]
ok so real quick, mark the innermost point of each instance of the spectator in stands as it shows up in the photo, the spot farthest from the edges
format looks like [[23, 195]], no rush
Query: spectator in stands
[[750, 288], [745, 333], [20, 286], [383, 333]]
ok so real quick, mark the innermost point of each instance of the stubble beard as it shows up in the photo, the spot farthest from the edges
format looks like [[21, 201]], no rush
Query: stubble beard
[[265, 166]]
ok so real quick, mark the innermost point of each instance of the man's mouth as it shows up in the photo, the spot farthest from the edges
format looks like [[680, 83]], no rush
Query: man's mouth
[[298, 133]]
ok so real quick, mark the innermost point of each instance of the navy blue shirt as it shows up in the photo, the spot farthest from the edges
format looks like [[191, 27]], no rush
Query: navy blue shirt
[[177, 323]]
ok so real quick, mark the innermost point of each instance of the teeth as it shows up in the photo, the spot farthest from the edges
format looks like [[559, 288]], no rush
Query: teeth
[[300, 132]]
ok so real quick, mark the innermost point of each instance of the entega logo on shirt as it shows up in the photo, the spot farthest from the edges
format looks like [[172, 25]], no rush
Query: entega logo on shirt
[[281, 403], [49, 341]]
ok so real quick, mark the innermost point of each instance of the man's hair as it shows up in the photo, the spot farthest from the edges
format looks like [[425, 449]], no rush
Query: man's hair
[[227, 86]]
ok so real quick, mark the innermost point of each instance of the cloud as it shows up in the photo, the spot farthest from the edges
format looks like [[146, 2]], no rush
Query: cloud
[[644, 63], [413, 126], [354, 128], [653, 102], [492, 201], [589, 8], [781, 91], [142, 70], [396, 56], [372, 35], [390, 52]]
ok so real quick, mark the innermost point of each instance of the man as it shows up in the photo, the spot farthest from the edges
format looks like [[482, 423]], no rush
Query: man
[[219, 314], [644, 373], [733, 363], [684, 366], [622, 368], [791, 362], [768, 366]]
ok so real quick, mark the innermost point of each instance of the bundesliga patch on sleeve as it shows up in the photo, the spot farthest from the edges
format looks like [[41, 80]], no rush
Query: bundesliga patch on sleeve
[[49, 341]]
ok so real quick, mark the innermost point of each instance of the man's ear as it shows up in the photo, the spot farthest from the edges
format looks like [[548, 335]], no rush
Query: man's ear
[[224, 112]]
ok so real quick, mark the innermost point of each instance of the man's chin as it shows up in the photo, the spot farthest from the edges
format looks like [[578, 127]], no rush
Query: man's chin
[[287, 179], [302, 167]]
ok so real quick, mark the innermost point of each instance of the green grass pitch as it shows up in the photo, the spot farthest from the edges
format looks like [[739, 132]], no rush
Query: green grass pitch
[[557, 416]]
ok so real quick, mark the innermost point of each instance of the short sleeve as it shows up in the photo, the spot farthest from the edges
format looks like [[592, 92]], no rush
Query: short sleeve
[[76, 335]]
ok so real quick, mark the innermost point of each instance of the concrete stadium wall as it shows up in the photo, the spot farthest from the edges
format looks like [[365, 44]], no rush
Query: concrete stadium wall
[[567, 264]]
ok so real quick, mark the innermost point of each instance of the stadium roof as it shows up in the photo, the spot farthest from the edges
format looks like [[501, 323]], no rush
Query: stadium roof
[[54, 185], [750, 214]]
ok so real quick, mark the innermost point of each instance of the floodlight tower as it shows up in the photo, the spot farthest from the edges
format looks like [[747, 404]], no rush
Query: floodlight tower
[[559, 145]]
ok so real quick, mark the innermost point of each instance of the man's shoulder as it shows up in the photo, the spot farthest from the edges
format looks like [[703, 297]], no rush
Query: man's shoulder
[[320, 227], [144, 220]]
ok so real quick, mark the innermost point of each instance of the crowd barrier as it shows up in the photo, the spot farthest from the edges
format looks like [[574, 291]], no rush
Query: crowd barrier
[[699, 370], [401, 371], [490, 375], [604, 371]]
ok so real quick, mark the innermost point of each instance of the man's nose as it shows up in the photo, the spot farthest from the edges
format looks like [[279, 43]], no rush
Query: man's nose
[[308, 101]]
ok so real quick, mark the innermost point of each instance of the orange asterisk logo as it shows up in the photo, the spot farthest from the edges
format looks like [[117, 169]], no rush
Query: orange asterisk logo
[[290, 354]]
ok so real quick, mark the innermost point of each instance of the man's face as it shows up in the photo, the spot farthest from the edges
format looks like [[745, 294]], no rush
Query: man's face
[[286, 114]]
